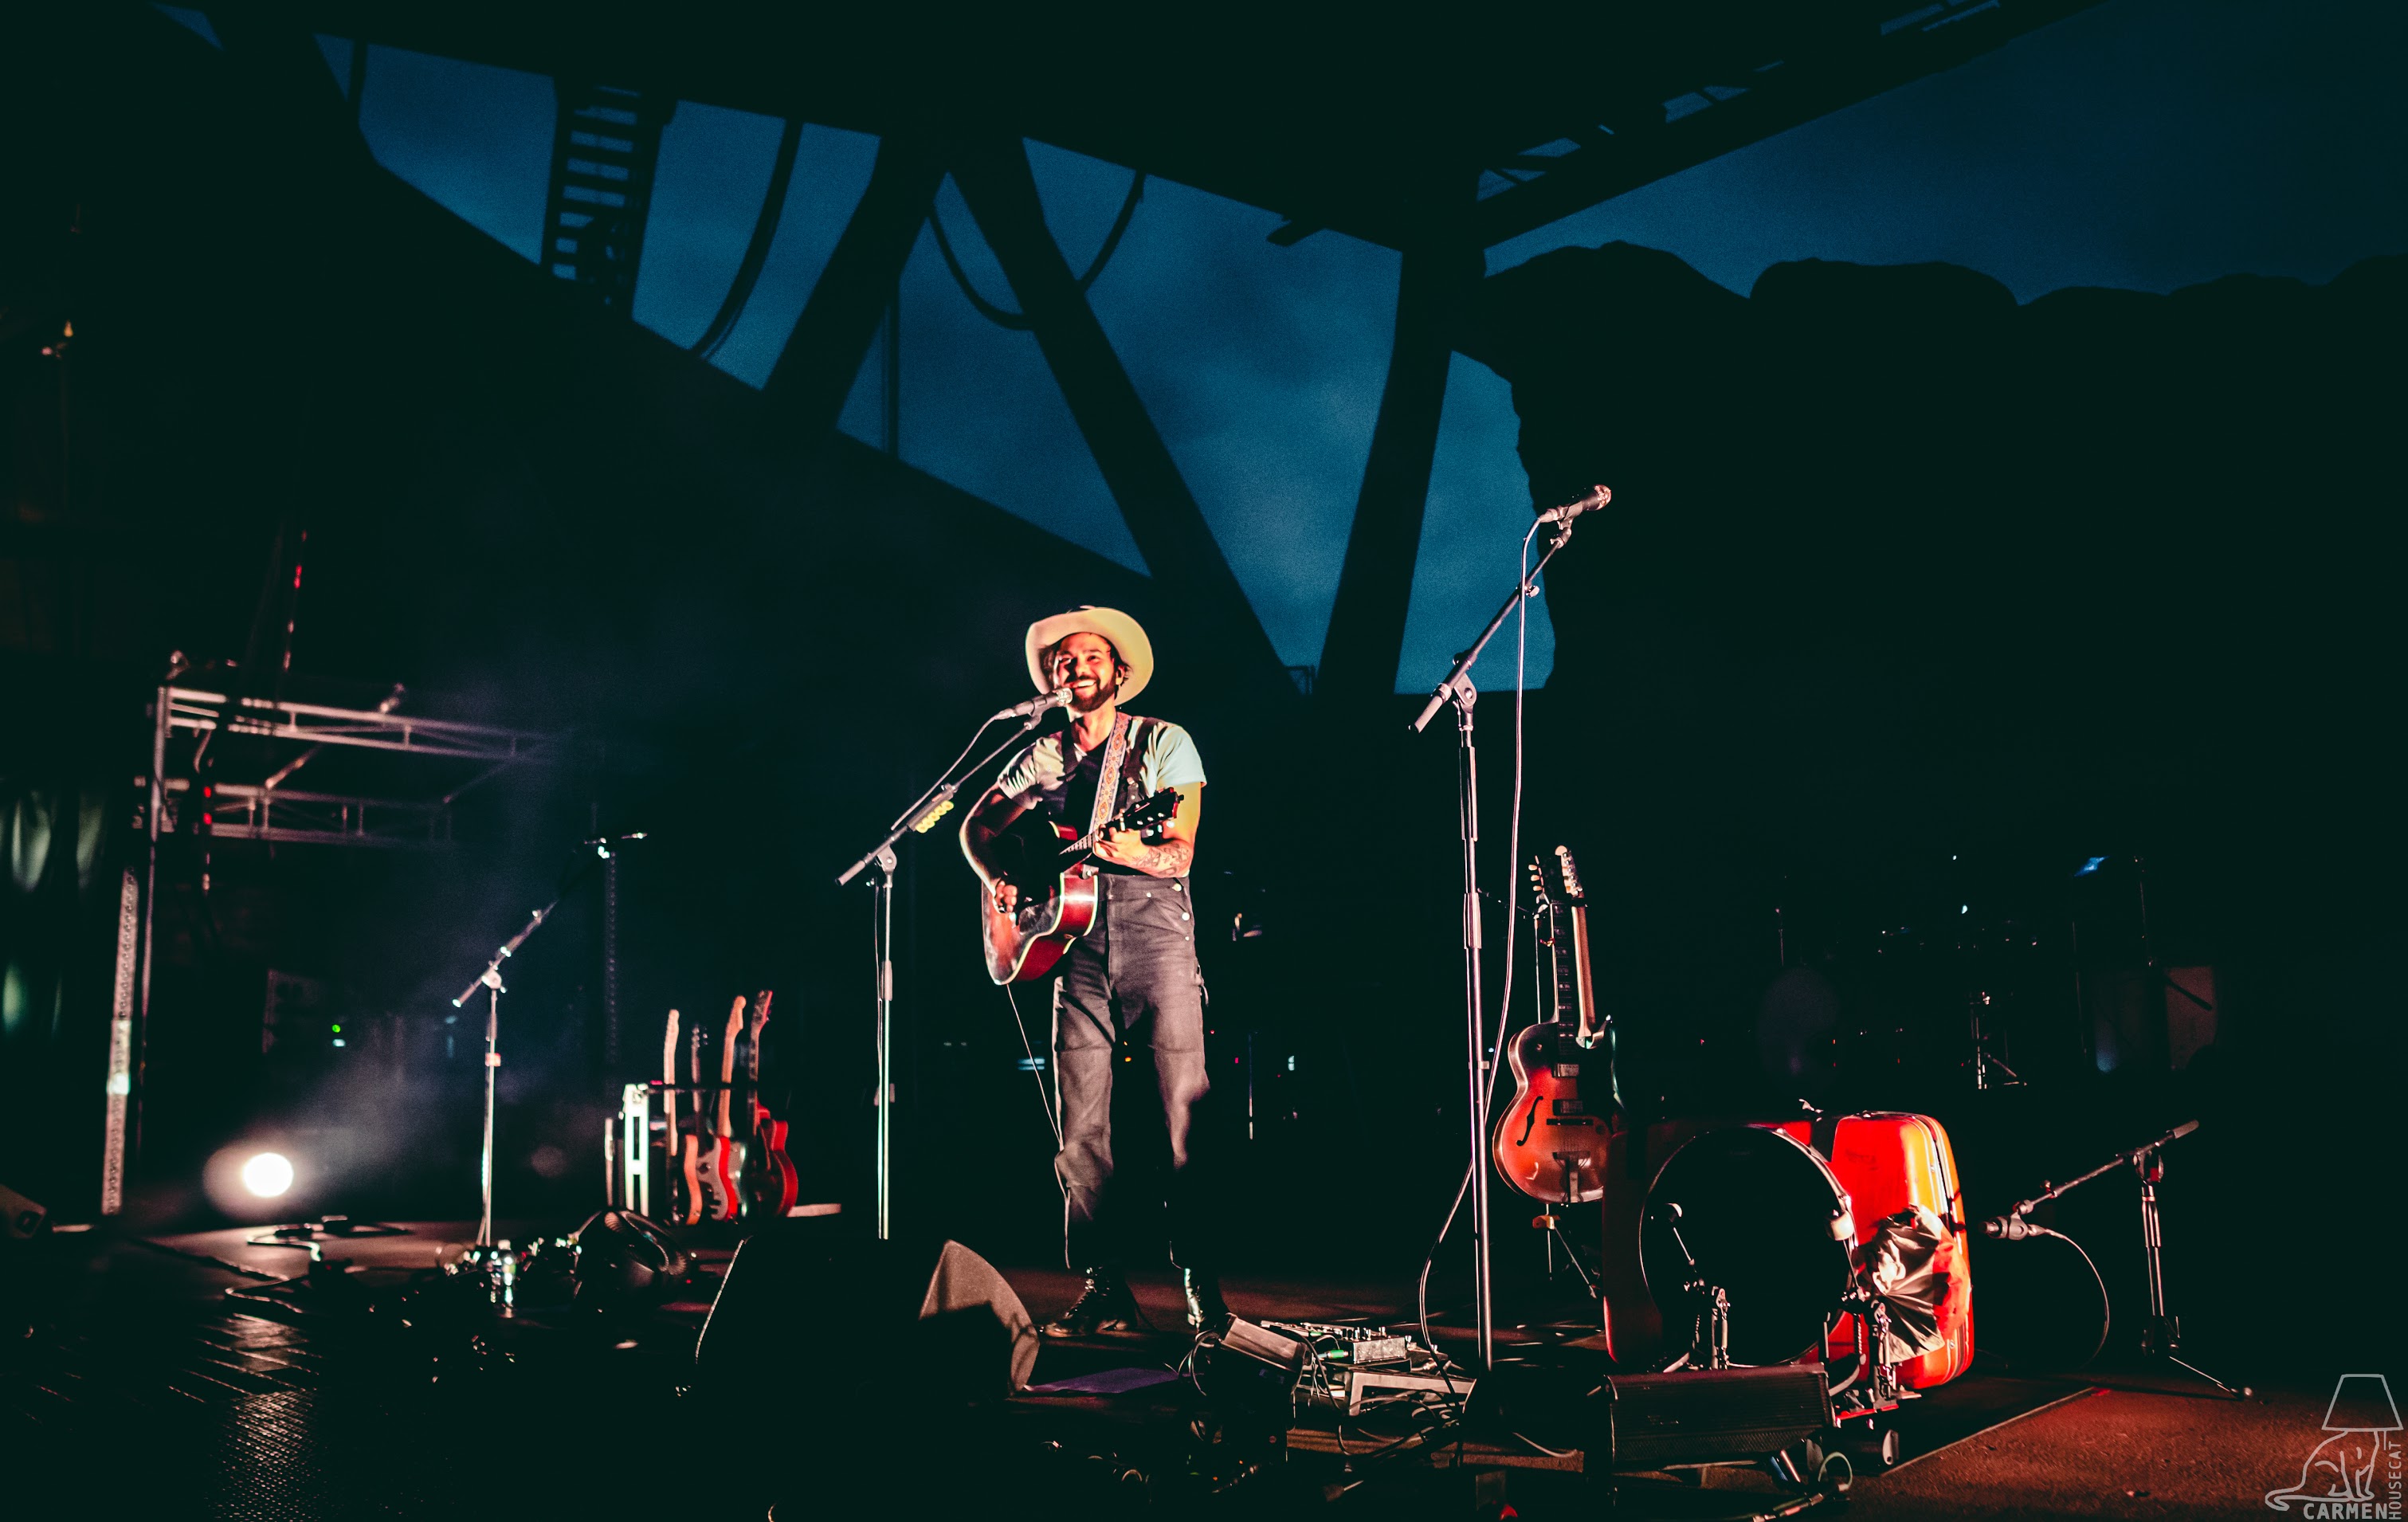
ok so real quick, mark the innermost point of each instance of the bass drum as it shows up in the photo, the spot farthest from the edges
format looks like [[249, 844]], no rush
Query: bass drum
[[1766, 1219]]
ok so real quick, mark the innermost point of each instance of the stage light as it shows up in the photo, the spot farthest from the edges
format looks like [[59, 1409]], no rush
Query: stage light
[[267, 1175]]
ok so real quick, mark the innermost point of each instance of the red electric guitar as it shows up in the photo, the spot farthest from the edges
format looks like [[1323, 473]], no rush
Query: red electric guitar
[[718, 1159], [1551, 1139], [770, 1185], [1049, 863]]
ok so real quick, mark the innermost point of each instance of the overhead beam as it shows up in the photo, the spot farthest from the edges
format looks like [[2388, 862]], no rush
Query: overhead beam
[[808, 387], [1788, 93], [1367, 625], [1162, 514]]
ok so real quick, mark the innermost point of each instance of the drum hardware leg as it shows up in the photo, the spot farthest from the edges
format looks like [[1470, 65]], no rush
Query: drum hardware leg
[[1984, 1061], [1855, 1368], [1710, 1335], [1882, 1387], [1717, 1348]]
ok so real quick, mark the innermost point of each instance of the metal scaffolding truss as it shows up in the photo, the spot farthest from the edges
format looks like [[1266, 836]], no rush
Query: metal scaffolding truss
[[381, 729], [279, 738], [267, 809], [284, 815]]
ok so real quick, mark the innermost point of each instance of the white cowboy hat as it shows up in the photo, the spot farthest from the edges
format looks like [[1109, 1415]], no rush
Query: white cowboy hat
[[1135, 650]]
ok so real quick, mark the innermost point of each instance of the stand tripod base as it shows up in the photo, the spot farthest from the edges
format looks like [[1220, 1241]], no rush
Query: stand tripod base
[[2161, 1342], [500, 1266]]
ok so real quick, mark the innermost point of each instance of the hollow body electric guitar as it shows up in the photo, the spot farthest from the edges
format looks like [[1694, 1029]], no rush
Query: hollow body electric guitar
[[1552, 1139], [1052, 866]]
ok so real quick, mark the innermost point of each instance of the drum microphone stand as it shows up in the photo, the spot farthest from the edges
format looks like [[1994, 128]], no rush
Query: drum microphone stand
[[2161, 1334], [933, 805], [497, 1261], [1457, 690]]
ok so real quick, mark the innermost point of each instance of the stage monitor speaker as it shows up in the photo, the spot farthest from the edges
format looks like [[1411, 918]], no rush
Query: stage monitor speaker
[[827, 1326]]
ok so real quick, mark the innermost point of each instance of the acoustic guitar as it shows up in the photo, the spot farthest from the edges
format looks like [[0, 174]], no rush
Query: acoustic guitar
[[1552, 1139], [770, 1184], [1052, 867]]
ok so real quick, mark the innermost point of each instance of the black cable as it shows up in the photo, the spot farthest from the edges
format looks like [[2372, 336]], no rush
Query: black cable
[[756, 251], [2106, 1302], [1044, 1100], [1019, 322]]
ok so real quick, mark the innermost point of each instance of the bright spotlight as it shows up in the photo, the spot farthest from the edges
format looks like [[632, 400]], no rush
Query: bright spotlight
[[267, 1175]]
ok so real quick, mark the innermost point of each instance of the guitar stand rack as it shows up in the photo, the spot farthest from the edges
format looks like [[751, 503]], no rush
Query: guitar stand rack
[[1551, 1222]]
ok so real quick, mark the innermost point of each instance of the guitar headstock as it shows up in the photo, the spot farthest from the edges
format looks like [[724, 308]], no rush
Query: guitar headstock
[[1540, 899], [1150, 813], [1569, 872]]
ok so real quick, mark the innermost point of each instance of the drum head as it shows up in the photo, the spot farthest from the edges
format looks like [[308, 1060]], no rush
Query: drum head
[[1757, 1212]]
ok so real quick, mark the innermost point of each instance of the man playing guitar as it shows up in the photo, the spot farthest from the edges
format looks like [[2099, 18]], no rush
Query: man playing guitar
[[1128, 998]]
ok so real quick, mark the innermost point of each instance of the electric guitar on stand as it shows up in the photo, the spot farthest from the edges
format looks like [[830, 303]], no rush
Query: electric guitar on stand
[[684, 1147], [718, 1160], [770, 1184], [1552, 1138], [1049, 864]]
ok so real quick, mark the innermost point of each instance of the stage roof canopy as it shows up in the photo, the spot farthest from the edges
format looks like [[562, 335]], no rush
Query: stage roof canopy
[[1480, 126]]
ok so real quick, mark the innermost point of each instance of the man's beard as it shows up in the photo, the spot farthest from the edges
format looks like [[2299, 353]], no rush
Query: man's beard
[[1103, 693]]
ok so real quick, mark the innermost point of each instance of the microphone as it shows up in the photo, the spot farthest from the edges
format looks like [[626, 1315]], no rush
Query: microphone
[[2009, 1228], [1597, 498], [1058, 698]]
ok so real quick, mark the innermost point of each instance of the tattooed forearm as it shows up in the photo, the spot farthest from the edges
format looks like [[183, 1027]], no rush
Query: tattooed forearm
[[1169, 859]]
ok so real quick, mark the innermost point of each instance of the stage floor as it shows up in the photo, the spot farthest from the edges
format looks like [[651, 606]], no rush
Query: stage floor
[[147, 1386]]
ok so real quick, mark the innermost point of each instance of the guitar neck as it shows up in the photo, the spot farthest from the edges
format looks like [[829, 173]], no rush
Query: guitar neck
[[1575, 990], [1085, 846]]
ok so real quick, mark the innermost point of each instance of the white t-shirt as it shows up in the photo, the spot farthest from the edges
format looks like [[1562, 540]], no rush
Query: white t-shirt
[[1167, 758]]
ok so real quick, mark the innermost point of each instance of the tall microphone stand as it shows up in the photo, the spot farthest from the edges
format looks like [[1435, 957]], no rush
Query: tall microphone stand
[[1457, 689], [495, 1259], [880, 861]]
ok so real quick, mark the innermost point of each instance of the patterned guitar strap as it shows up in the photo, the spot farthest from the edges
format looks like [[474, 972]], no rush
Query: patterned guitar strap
[[1108, 781]]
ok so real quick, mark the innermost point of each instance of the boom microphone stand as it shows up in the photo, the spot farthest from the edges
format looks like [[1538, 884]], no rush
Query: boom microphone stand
[[2161, 1334], [1457, 689], [915, 820], [497, 1260]]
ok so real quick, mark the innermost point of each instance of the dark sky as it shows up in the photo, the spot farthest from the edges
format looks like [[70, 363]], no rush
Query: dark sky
[[2148, 144]]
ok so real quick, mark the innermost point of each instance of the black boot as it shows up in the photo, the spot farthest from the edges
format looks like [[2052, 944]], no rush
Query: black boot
[[1105, 1305], [1204, 1306]]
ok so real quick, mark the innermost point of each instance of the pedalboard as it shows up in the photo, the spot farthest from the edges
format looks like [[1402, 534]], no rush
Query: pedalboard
[[1357, 1347]]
